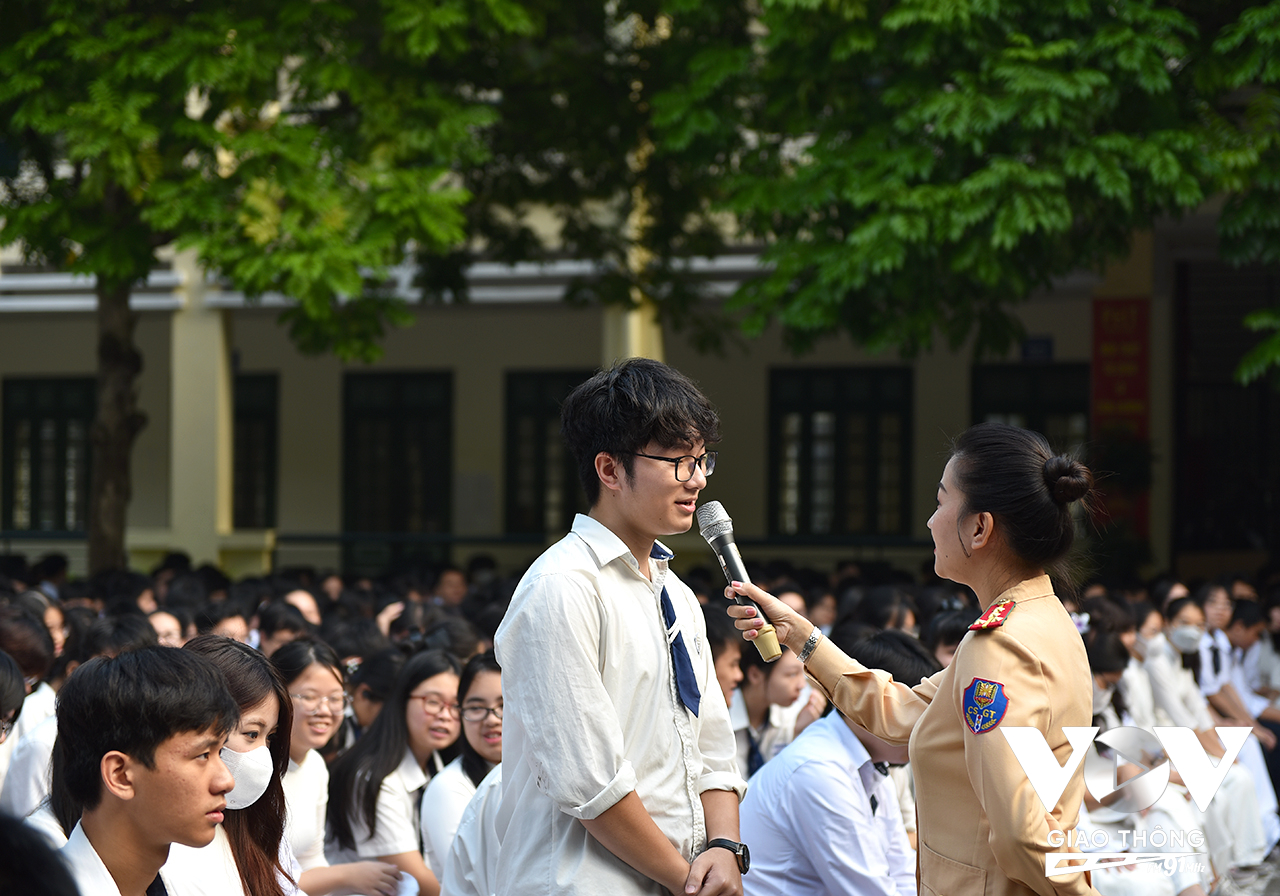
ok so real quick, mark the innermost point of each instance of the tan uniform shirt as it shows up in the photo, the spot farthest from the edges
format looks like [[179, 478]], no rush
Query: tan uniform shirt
[[982, 828]]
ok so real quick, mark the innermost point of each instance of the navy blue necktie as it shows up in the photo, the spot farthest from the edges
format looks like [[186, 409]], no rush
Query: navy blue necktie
[[755, 759], [686, 681]]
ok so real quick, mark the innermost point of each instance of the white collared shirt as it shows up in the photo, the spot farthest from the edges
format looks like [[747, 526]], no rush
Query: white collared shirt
[[306, 795], [443, 803], [1212, 681], [397, 828], [779, 728], [1174, 688], [472, 865], [29, 780], [808, 821], [91, 875], [592, 714]]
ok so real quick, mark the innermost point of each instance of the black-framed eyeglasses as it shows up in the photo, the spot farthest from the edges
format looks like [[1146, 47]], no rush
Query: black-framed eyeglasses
[[480, 713], [687, 464]]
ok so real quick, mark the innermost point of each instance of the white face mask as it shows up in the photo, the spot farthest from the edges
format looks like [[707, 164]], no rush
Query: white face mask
[[1149, 646], [1186, 638], [252, 771], [1101, 697]]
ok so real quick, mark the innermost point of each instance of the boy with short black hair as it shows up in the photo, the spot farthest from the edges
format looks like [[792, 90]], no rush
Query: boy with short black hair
[[618, 757], [136, 765]]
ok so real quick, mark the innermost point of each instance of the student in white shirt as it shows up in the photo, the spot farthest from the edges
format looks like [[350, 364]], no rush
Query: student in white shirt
[[826, 807], [26, 784], [25, 638], [480, 749], [1179, 697], [472, 866], [137, 765], [249, 855], [759, 712], [619, 775], [375, 787], [312, 673]]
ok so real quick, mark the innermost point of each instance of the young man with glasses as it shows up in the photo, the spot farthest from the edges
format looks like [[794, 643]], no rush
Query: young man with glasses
[[619, 773]]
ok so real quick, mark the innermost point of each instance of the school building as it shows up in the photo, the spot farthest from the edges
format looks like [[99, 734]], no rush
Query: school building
[[255, 456]]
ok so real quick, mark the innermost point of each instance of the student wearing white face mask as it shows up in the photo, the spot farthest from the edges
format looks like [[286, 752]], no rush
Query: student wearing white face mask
[[1172, 660], [249, 855]]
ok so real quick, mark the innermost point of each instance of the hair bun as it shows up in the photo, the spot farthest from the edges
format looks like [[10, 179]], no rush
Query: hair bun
[[1067, 478]]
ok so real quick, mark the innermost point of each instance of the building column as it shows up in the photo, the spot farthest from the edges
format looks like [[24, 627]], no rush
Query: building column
[[201, 428]]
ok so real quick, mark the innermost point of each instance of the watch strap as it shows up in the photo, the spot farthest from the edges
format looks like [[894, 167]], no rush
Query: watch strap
[[739, 851]]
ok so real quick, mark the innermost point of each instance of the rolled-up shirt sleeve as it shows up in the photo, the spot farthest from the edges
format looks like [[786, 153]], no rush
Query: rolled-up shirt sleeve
[[574, 740]]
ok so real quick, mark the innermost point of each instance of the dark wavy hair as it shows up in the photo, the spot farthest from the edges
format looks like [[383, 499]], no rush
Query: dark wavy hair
[[475, 765], [255, 832], [356, 777], [1013, 474], [622, 409]]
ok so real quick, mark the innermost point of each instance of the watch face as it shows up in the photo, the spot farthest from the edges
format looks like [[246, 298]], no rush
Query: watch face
[[744, 859]]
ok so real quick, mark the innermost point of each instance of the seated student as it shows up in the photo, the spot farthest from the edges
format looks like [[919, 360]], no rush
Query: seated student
[[249, 855], [945, 632], [374, 787], [758, 711], [726, 648], [471, 868], [312, 674], [27, 782], [826, 806], [136, 766], [25, 638], [480, 749]]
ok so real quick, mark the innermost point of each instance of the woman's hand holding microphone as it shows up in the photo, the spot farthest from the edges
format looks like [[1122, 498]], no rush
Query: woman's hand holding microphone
[[792, 628]]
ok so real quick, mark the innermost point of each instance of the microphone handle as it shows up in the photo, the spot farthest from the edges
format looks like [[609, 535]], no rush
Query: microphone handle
[[735, 570]]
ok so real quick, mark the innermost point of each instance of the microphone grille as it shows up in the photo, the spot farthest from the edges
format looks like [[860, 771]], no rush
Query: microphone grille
[[713, 521]]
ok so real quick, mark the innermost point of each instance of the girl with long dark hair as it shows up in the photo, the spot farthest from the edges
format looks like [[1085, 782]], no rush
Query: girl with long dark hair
[[375, 787], [249, 854], [480, 749], [312, 673]]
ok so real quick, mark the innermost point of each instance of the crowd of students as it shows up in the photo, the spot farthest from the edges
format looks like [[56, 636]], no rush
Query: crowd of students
[[358, 724]]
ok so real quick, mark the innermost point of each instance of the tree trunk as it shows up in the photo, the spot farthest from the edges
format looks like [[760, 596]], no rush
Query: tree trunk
[[117, 424]]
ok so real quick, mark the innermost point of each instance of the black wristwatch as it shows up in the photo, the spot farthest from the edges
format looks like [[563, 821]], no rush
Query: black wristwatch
[[738, 849]]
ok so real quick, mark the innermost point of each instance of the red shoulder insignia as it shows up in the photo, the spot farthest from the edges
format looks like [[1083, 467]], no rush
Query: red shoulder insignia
[[995, 616]]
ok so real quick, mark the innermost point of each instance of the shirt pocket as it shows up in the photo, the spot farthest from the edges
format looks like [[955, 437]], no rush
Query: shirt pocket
[[940, 876]]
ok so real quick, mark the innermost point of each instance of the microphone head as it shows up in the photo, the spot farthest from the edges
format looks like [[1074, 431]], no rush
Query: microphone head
[[714, 521]]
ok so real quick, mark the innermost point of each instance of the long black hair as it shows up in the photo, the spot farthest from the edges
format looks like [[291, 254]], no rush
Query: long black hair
[[298, 656], [255, 832], [475, 765], [356, 777]]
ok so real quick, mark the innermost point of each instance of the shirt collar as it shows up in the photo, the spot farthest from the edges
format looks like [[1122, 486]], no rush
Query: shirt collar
[[871, 778], [607, 546], [411, 774], [90, 872], [1040, 586]]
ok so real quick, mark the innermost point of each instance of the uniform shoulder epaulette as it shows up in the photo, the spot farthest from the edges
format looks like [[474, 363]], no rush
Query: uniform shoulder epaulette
[[995, 616]]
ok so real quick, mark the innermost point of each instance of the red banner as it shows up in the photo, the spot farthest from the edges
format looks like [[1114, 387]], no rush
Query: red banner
[[1122, 402]]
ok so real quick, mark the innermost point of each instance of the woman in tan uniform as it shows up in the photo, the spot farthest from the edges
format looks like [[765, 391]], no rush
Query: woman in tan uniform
[[1003, 518]]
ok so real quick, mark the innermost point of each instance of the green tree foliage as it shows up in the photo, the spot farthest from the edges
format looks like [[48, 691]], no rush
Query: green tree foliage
[[917, 168], [571, 156], [299, 145]]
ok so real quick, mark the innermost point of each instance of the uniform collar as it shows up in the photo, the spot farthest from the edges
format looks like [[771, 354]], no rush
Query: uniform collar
[[1030, 589], [411, 774], [607, 546], [90, 872]]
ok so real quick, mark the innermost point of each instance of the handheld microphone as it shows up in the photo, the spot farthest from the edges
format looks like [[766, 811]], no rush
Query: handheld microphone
[[717, 528]]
